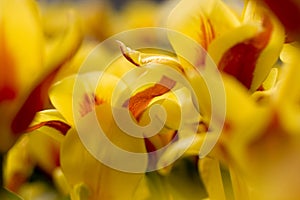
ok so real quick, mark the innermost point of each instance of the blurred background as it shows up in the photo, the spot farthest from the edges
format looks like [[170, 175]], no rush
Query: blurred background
[[101, 19]]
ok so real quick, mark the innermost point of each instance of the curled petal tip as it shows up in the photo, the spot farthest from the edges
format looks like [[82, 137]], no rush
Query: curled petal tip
[[124, 49], [127, 53]]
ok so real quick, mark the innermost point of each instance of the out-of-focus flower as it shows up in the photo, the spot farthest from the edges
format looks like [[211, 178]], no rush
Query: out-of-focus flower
[[100, 100], [39, 148], [245, 47], [127, 18], [255, 154], [102, 181], [28, 63], [94, 17], [259, 143], [262, 144]]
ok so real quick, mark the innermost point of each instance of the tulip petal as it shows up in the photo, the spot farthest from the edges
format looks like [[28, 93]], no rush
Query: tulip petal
[[18, 56], [62, 47], [39, 147], [102, 181], [190, 146], [211, 175], [201, 20], [240, 188], [288, 94], [18, 166], [21, 46], [87, 91], [249, 52], [141, 59], [22, 56], [241, 125]]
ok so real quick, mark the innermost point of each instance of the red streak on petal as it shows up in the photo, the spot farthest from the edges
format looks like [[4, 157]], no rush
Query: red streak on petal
[[8, 82], [16, 181], [206, 32], [205, 37], [34, 103], [57, 125], [240, 60], [138, 103], [209, 34], [55, 153], [149, 145], [89, 102], [86, 105], [98, 100], [7, 93]]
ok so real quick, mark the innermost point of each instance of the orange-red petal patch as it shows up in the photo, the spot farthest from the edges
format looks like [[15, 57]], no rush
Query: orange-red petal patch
[[139, 102], [8, 84], [240, 60], [34, 103], [56, 124], [288, 12]]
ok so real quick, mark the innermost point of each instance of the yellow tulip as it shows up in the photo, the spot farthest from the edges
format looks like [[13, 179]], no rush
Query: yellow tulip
[[267, 159], [259, 143], [28, 64], [39, 147], [93, 95], [256, 152], [245, 47], [84, 183]]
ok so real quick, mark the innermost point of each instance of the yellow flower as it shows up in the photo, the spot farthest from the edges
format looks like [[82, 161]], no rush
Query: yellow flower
[[256, 152], [245, 47], [90, 95], [92, 179], [261, 145], [251, 143], [28, 63], [39, 147], [126, 18]]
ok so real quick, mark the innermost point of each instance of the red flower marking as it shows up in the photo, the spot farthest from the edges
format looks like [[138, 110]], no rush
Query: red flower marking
[[8, 81], [165, 138], [240, 60], [34, 103], [98, 101], [138, 103], [88, 103], [149, 145], [57, 125], [55, 154], [207, 32], [205, 37]]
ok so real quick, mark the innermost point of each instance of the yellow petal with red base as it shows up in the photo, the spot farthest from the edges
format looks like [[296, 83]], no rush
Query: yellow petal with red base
[[202, 21], [30, 66]]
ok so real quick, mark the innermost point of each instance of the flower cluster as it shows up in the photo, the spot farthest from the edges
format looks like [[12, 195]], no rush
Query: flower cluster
[[232, 77]]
